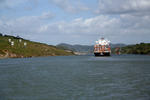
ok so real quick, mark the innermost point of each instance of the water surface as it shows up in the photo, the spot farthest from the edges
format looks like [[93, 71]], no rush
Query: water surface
[[124, 77]]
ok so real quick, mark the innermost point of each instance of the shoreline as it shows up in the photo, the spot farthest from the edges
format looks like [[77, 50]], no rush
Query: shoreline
[[36, 56], [64, 55], [13, 55]]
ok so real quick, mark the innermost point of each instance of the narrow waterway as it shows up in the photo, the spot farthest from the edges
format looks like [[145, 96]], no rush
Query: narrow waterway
[[124, 77]]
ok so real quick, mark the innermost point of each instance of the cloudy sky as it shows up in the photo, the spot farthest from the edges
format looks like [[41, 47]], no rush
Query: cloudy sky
[[77, 21]]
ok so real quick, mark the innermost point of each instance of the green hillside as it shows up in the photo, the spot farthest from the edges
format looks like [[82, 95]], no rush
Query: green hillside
[[142, 48], [32, 49]]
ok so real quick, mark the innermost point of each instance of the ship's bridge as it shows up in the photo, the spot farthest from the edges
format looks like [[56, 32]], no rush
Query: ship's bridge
[[102, 41]]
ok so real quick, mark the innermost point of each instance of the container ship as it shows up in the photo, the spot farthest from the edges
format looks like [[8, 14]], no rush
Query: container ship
[[102, 48]]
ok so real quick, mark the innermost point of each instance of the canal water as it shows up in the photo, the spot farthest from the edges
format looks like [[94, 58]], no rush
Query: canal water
[[123, 77]]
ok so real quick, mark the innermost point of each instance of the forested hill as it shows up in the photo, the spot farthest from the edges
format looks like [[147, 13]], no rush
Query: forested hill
[[25, 48], [142, 48]]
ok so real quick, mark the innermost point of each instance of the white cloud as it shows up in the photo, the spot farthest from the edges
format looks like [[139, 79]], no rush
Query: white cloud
[[10, 4], [47, 15], [66, 5], [126, 29], [123, 29], [130, 25], [70, 5], [13, 4], [24, 25], [123, 6]]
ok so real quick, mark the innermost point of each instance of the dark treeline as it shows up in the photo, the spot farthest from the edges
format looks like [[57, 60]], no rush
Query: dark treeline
[[10, 36]]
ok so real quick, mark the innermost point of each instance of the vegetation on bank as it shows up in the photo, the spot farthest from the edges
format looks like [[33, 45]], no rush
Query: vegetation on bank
[[31, 49], [142, 48]]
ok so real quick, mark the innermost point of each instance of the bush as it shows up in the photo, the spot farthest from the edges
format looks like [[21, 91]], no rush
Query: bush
[[1, 34]]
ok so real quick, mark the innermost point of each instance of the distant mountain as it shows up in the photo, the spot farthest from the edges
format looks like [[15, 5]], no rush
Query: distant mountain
[[83, 48], [76, 48], [117, 45]]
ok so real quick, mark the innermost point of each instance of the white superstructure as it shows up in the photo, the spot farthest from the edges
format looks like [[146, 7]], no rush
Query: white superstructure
[[103, 41]]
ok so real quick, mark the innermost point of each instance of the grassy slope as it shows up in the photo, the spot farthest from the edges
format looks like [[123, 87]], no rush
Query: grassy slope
[[32, 48]]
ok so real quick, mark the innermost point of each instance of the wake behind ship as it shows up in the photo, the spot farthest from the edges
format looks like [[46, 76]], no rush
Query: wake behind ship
[[102, 48]]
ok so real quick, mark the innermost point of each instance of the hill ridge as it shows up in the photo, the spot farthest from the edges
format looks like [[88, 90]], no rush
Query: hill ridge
[[31, 49]]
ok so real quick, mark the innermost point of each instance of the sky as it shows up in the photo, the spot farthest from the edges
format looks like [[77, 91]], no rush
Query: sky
[[76, 21]]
